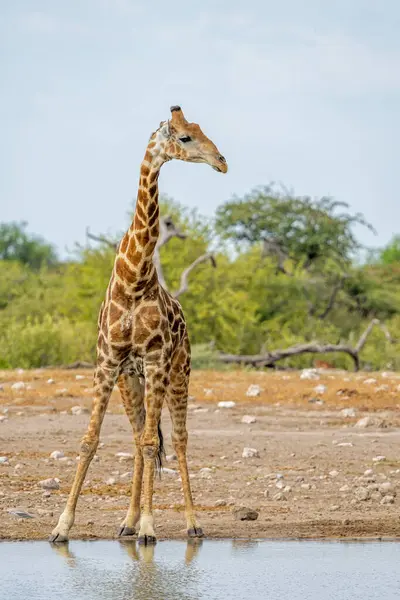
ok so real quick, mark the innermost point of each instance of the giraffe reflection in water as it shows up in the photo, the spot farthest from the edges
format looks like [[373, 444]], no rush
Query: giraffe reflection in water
[[143, 577]]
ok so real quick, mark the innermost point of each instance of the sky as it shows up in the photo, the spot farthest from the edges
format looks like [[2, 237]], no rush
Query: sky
[[302, 93]]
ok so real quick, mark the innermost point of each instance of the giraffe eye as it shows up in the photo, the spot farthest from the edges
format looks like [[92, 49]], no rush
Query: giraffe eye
[[185, 139]]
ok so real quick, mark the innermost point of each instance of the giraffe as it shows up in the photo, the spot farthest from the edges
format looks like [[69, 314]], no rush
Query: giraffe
[[143, 345]]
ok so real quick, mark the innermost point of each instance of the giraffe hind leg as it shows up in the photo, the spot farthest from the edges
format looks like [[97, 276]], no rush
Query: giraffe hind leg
[[177, 404]]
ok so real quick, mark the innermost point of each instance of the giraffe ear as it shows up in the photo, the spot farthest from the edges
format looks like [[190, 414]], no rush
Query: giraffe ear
[[165, 129]]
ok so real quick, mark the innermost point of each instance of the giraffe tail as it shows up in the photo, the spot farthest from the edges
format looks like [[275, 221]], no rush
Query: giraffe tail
[[161, 451]]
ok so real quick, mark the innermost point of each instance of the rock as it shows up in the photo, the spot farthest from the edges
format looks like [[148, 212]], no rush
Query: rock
[[79, 377], [278, 475], [50, 380], [368, 472], [320, 389], [3, 460], [57, 454], [348, 412], [334, 507], [377, 459], [19, 385], [208, 391], [305, 486], [171, 457], [124, 456], [345, 445], [245, 514], [220, 503], [205, 473], [287, 489], [362, 494], [166, 471], [227, 404], [333, 473], [110, 481], [279, 484], [365, 422], [369, 381], [3, 418], [21, 514], [50, 484], [279, 497], [79, 410], [344, 488], [309, 374], [387, 499], [253, 391], [386, 487], [250, 453], [248, 419], [46, 494]]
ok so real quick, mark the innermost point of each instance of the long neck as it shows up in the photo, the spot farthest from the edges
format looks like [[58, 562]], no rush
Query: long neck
[[134, 262]]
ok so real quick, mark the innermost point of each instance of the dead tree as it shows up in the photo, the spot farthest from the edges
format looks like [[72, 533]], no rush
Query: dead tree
[[168, 230], [268, 359]]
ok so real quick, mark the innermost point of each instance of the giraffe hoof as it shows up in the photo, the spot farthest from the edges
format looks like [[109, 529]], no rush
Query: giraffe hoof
[[195, 532], [125, 531], [58, 538], [147, 540]]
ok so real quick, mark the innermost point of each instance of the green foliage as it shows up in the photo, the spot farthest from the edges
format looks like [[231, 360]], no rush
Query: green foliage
[[17, 245], [48, 310]]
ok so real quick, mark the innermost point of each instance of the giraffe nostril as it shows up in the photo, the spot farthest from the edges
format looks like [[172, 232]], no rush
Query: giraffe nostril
[[222, 158]]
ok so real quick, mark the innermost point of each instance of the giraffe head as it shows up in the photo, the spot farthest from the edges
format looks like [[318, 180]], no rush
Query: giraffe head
[[186, 141]]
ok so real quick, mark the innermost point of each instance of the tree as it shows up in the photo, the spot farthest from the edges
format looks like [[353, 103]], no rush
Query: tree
[[297, 231], [17, 245], [391, 253]]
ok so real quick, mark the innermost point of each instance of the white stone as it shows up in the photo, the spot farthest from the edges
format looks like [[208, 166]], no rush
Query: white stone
[[248, 419], [370, 381], [387, 499], [344, 488], [345, 445], [80, 377], [79, 410], [171, 457], [205, 473], [385, 487], [377, 459], [3, 418], [208, 391], [365, 422], [368, 472], [320, 389], [111, 481], [62, 392], [124, 455], [57, 454], [250, 453], [19, 385], [3, 460], [305, 486], [362, 494], [333, 473], [253, 391], [309, 374], [226, 404], [348, 412], [280, 497], [279, 484], [50, 380], [166, 471], [287, 489], [50, 484]]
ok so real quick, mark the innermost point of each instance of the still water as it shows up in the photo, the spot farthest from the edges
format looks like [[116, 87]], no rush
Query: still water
[[223, 570]]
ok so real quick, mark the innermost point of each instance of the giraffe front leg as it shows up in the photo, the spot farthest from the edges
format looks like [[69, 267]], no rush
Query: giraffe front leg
[[132, 393], [103, 386], [151, 444]]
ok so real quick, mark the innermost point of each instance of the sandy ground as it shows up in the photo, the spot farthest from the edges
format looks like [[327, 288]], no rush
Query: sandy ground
[[308, 480]]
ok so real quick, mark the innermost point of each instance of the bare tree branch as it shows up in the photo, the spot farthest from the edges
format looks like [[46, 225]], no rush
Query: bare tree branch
[[270, 358], [101, 239], [184, 286]]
